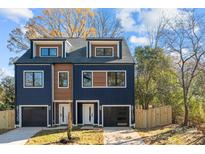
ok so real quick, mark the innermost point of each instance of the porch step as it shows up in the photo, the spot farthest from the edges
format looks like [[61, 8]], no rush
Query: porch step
[[87, 128]]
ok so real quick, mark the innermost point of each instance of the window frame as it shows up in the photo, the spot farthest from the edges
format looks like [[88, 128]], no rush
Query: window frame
[[59, 78], [125, 80], [32, 71], [99, 47], [47, 47], [106, 71], [82, 85]]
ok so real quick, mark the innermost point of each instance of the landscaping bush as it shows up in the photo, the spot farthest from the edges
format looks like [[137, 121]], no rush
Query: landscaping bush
[[4, 106], [197, 112]]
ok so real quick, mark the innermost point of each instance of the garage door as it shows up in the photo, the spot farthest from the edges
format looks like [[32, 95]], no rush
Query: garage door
[[34, 116], [116, 116]]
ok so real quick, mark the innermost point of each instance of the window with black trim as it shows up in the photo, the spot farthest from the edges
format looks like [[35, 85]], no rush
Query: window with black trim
[[33, 79], [63, 80], [116, 79], [103, 52], [48, 52], [87, 79]]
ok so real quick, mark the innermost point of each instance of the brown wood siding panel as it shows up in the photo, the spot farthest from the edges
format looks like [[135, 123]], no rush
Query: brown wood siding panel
[[63, 93], [93, 46], [59, 46], [99, 78]]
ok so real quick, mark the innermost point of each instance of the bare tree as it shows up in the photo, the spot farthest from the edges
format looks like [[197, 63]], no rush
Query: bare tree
[[106, 25], [155, 33], [185, 38]]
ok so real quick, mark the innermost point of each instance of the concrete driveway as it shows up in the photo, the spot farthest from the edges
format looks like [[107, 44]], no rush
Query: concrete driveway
[[121, 136], [19, 136]]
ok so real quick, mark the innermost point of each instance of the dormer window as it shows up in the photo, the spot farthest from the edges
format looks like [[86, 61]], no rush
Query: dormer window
[[104, 52], [48, 51]]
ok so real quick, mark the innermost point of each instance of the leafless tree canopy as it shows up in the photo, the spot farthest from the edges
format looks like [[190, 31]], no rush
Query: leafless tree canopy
[[185, 38], [106, 26]]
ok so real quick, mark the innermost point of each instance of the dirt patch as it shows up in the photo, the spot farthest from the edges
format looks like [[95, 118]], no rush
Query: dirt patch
[[173, 134]]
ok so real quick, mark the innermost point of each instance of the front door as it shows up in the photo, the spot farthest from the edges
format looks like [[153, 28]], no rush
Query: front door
[[88, 114], [63, 113]]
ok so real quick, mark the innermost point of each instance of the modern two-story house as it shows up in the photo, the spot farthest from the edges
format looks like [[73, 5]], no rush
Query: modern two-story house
[[92, 78]]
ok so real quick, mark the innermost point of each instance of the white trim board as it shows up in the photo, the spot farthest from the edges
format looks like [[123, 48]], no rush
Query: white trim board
[[106, 71], [33, 64], [118, 49], [20, 113], [87, 101], [130, 108], [103, 42], [61, 101]]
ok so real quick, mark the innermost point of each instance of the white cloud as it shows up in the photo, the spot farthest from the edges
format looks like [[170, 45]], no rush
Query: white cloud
[[126, 18], [16, 14], [139, 40], [137, 20]]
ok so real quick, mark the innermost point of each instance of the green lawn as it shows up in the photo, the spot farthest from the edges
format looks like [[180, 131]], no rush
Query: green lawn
[[83, 137]]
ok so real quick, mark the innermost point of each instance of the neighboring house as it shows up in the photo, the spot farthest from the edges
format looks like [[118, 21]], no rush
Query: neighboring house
[[93, 79]]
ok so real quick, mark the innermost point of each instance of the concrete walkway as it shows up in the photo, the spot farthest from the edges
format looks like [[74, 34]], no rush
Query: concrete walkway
[[121, 136], [19, 136]]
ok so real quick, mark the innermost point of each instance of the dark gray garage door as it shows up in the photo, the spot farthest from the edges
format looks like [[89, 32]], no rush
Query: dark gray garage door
[[116, 116], [34, 116]]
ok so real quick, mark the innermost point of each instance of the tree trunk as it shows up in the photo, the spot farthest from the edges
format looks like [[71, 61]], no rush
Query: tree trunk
[[186, 108], [69, 126], [186, 114]]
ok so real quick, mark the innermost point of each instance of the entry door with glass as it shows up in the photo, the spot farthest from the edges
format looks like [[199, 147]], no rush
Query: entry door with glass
[[63, 113], [88, 114]]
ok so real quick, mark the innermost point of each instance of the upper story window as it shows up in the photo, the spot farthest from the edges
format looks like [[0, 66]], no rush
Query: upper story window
[[33, 79], [87, 79], [48, 51], [104, 52], [104, 79], [63, 79], [116, 79]]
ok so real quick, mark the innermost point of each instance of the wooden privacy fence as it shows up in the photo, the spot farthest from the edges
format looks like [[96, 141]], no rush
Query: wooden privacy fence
[[153, 117], [7, 119]]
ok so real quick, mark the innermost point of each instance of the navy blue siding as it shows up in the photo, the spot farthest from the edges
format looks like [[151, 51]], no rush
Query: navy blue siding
[[106, 96], [34, 96], [63, 49], [120, 49], [80, 113], [31, 44]]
